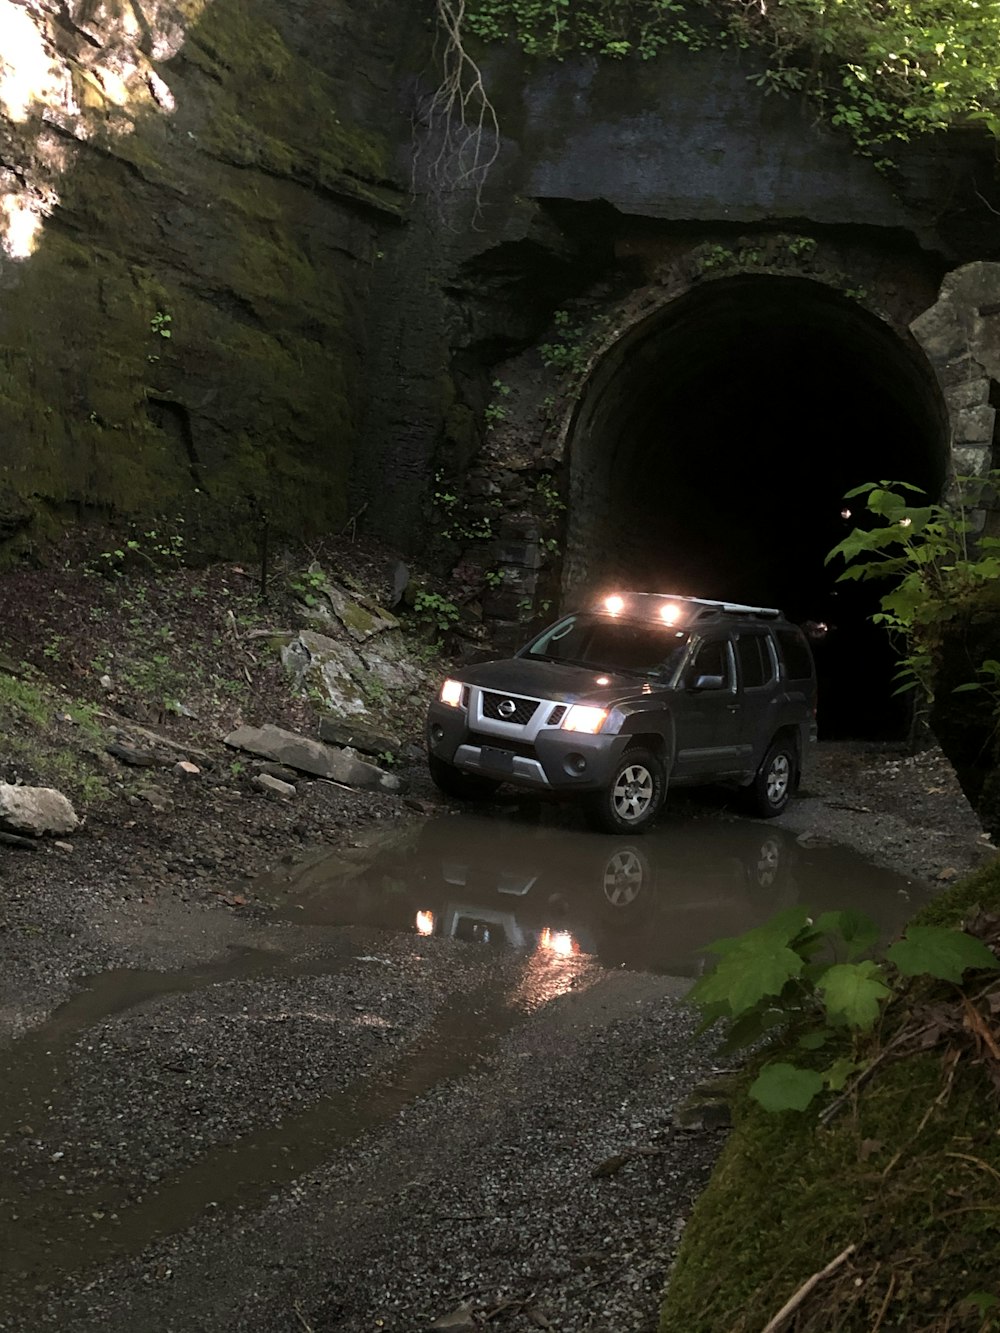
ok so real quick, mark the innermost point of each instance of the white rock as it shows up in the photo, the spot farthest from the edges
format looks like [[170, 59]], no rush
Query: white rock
[[35, 810]]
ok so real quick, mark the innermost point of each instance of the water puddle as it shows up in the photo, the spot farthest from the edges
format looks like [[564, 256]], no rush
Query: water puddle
[[651, 903]]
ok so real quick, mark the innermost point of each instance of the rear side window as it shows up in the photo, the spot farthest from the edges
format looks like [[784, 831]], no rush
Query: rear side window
[[795, 653], [756, 667]]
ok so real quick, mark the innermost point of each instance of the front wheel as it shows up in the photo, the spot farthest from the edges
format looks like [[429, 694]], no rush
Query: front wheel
[[774, 782], [454, 782], [632, 799]]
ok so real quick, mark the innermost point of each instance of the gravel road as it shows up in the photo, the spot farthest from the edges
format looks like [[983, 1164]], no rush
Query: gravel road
[[246, 1119]]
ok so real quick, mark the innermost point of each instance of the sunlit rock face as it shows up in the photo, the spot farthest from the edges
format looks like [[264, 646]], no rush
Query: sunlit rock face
[[194, 196], [70, 71]]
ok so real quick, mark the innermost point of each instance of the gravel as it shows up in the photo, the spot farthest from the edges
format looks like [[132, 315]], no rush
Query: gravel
[[275, 1126]]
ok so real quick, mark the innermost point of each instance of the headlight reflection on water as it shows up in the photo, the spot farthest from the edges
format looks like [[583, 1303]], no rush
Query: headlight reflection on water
[[558, 942]]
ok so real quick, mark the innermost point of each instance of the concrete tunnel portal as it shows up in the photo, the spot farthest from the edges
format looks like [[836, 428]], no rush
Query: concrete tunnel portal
[[711, 452]]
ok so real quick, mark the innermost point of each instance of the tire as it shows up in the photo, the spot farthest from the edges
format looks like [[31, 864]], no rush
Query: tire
[[632, 799], [774, 783], [453, 782]]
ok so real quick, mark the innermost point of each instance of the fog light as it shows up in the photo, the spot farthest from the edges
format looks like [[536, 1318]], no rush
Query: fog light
[[575, 764], [437, 732]]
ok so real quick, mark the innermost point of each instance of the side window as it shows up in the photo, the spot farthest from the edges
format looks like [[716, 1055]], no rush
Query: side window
[[756, 664], [795, 653], [714, 659]]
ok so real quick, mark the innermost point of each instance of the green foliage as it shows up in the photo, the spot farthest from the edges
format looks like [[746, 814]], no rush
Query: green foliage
[[457, 518], [782, 1087], [936, 570], [21, 699], [160, 324], [801, 974], [159, 547], [435, 611], [566, 352], [308, 584], [883, 71], [940, 953], [495, 411]]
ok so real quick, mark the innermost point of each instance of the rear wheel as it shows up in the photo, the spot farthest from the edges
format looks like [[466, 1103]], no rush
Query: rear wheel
[[632, 799], [774, 782], [453, 782]]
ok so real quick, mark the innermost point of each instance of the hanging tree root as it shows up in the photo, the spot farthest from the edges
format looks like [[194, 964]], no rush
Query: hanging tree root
[[462, 125]]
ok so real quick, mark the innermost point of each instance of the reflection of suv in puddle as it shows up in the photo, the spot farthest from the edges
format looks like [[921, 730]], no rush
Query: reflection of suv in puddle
[[614, 704]]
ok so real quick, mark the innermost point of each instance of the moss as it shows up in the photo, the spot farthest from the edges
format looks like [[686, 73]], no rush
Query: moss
[[980, 891], [907, 1174], [254, 121], [252, 403], [907, 1183]]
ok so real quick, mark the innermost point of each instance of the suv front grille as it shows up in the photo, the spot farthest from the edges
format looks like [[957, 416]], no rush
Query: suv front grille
[[524, 709]]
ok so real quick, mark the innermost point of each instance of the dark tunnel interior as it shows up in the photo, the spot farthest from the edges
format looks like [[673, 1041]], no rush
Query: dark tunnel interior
[[713, 450]]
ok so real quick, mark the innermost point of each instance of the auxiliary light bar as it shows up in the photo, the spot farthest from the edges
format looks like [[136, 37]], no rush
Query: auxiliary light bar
[[675, 610]]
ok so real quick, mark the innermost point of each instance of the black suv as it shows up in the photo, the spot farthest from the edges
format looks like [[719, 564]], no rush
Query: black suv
[[615, 703]]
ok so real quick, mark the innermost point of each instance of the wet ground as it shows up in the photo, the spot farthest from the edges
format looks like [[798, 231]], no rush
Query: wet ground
[[385, 1099]]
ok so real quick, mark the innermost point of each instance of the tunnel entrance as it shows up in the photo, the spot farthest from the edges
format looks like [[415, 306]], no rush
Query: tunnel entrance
[[711, 452]]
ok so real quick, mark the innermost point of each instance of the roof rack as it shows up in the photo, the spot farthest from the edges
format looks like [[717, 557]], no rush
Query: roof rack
[[731, 608]]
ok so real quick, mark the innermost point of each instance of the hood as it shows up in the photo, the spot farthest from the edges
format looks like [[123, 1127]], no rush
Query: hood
[[551, 680]]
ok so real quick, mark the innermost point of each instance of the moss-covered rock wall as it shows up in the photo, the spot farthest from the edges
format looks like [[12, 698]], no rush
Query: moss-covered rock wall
[[183, 296]]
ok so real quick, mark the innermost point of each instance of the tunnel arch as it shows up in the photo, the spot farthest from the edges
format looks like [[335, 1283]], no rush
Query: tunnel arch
[[713, 442]]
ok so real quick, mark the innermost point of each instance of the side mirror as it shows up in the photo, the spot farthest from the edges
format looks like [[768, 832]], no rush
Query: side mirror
[[709, 683]]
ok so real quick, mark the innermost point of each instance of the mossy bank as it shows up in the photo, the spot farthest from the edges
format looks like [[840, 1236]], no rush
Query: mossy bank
[[906, 1174]]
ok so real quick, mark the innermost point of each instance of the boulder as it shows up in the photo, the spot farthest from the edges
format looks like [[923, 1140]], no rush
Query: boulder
[[309, 756], [330, 667], [35, 810], [358, 735]]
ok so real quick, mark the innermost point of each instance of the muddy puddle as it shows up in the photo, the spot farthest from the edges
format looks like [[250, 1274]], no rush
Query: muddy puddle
[[651, 903]]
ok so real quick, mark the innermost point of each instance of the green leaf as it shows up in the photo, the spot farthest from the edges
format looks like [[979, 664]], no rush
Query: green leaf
[[969, 685], [858, 931], [839, 1072], [852, 992], [747, 974], [784, 1087], [783, 927], [939, 952], [812, 1041]]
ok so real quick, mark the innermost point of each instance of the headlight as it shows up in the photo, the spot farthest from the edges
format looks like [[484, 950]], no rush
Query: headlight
[[582, 717], [451, 693]]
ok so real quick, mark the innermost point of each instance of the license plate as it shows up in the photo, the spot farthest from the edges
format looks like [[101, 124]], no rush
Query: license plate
[[497, 761]]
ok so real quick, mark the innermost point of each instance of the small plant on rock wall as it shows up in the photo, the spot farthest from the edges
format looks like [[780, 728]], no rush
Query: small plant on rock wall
[[458, 519], [495, 411], [566, 352], [435, 611]]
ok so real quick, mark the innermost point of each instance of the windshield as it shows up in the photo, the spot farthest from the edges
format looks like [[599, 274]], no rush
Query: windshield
[[636, 647]]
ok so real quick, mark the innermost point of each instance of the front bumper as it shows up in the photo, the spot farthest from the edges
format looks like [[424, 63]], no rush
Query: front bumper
[[554, 760]]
